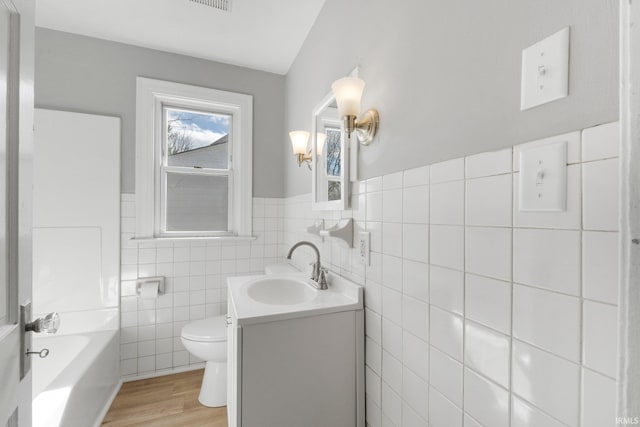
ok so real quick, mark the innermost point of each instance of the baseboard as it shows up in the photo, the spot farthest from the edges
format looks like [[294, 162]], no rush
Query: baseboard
[[162, 372], [108, 403]]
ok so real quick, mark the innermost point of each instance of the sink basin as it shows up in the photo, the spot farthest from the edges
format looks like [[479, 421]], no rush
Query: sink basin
[[281, 290], [267, 298]]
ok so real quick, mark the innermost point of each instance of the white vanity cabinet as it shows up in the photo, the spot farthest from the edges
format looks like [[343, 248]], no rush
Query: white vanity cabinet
[[296, 369]]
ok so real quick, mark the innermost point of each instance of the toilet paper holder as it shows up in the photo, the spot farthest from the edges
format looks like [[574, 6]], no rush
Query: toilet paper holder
[[159, 279]]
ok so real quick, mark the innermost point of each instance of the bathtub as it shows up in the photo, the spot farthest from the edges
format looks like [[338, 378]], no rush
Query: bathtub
[[76, 383]]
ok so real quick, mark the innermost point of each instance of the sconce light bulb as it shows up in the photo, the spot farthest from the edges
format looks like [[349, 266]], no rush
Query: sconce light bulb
[[299, 140], [348, 92]]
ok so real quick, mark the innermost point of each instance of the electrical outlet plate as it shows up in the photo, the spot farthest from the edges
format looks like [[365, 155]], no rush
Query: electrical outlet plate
[[364, 247], [543, 178], [545, 70]]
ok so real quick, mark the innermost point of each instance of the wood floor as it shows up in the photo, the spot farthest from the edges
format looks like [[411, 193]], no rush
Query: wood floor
[[169, 401]]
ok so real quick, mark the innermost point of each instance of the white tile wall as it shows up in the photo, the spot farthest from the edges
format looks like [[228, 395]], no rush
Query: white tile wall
[[445, 375], [447, 203], [489, 164], [478, 314], [525, 415], [446, 332], [600, 142], [600, 195], [442, 412], [598, 399], [415, 280], [487, 352], [548, 381], [548, 320], [485, 401], [488, 302], [547, 258], [599, 343], [447, 289], [489, 201], [600, 266], [488, 252], [195, 275]]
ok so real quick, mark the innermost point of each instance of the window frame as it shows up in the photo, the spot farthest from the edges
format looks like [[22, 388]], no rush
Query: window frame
[[163, 170], [152, 98]]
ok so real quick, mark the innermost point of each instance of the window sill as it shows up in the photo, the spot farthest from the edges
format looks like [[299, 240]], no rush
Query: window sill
[[194, 239]]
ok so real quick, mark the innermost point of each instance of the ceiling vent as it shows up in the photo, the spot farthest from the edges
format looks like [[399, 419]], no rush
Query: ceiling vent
[[224, 5]]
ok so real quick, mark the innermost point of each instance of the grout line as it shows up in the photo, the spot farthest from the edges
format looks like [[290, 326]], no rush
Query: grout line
[[552, 291], [541, 410], [511, 290], [581, 291], [464, 281], [402, 243]]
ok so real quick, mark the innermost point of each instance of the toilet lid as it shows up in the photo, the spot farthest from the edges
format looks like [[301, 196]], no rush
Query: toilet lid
[[211, 329]]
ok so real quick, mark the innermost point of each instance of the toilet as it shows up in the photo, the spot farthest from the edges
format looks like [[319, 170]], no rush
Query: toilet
[[207, 340]]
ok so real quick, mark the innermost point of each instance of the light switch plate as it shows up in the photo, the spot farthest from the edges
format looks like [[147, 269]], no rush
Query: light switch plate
[[545, 70], [543, 178]]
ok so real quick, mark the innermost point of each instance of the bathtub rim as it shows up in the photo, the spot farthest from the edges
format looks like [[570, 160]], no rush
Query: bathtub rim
[[107, 337]]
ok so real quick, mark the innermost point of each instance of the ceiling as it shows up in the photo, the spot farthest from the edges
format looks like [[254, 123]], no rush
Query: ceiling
[[261, 34]]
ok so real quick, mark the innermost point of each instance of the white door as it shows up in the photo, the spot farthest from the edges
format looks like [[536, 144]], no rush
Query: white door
[[628, 406], [16, 147]]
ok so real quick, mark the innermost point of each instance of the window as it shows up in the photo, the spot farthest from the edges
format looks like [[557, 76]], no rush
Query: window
[[332, 147], [193, 161]]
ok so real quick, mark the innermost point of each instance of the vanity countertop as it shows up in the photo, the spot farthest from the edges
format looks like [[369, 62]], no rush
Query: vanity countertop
[[342, 295]]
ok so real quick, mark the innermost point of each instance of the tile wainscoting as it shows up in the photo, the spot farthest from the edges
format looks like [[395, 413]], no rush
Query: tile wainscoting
[[195, 275], [478, 314]]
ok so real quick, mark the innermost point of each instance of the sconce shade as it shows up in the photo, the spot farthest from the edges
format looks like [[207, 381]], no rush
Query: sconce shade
[[348, 92], [299, 140], [320, 140]]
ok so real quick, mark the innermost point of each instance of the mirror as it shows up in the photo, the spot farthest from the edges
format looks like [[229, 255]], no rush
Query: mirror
[[330, 158]]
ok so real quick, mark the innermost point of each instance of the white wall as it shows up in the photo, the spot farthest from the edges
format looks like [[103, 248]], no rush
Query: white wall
[[476, 312], [445, 76], [76, 218], [86, 74]]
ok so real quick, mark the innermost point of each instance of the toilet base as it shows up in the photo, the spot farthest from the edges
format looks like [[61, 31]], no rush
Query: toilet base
[[213, 392]]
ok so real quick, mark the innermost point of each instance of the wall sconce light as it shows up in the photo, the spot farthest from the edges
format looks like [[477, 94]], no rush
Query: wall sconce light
[[299, 142], [348, 92]]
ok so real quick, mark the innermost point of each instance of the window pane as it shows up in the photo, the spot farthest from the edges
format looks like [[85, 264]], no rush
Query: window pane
[[197, 202], [197, 139], [333, 148], [334, 191]]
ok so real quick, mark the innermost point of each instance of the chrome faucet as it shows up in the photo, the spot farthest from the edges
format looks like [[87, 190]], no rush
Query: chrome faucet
[[319, 275]]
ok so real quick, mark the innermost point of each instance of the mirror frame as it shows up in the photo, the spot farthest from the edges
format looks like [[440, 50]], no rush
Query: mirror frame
[[343, 203]]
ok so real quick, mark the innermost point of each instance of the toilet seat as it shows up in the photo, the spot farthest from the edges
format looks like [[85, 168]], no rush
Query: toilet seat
[[212, 329]]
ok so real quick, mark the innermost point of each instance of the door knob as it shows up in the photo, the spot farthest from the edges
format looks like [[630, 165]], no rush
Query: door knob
[[48, 324]]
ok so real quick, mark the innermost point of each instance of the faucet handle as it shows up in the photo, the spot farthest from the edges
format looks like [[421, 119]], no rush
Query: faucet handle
[[322, 278], [313, 270]]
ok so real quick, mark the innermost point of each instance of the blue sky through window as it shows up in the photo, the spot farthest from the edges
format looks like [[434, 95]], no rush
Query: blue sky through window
[[199, 128]]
